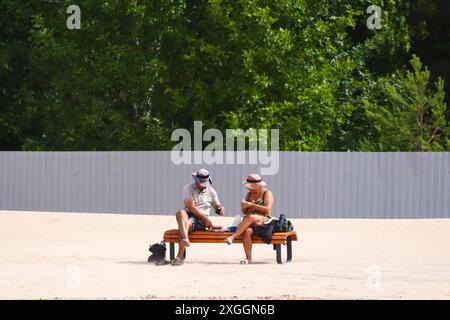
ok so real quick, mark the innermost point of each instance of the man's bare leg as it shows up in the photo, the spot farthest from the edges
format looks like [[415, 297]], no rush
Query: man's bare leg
[[184, 226]]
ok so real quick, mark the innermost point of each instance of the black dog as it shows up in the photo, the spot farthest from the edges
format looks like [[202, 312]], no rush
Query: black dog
[[158, 251]]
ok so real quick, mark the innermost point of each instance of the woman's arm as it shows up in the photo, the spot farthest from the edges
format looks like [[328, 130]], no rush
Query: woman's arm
[[245, 205], [267, 207]]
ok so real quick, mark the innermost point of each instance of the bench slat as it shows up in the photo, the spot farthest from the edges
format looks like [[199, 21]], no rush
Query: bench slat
[[216, 240], [257, 241], [276, 241], [221, 235], [218, 237]]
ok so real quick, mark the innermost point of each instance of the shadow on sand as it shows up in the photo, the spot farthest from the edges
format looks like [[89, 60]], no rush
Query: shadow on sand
[[196, 262]]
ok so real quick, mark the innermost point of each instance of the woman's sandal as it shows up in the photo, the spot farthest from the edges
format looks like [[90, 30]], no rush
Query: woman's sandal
[[228, 241]]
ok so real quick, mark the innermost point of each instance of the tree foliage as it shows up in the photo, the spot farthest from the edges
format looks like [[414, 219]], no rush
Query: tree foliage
[[416, 119], [136, 70]]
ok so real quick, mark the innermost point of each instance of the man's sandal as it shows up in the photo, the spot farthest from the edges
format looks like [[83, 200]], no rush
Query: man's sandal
[[162, 262], [177, 262]]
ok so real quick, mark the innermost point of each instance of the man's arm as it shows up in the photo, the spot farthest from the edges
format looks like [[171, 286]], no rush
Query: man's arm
[[189, 203], [221, 207], [216, 203]]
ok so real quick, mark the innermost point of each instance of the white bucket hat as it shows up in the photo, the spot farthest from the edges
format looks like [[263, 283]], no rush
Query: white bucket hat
[[202, 177]]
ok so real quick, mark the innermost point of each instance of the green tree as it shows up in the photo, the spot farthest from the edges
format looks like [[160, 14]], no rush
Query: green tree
[[416, 117], [139, 69], [333, 63], [429, 26], [88, 89]]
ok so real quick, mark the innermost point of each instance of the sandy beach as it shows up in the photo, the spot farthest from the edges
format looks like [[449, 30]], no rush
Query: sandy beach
[[104, 256]]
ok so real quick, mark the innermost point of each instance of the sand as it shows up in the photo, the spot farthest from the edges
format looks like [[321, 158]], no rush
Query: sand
[[103, 256]]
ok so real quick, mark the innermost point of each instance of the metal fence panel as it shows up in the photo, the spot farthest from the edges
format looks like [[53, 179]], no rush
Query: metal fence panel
[[307, 185]]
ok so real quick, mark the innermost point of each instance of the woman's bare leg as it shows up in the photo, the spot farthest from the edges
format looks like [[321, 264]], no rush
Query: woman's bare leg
[[247, 242], [250, 220]]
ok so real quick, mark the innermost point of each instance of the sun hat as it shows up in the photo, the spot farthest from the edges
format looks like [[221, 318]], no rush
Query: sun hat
[[254, 179], [202, 177]]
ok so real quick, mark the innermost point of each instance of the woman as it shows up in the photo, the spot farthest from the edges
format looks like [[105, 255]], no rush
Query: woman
[[256, 208]]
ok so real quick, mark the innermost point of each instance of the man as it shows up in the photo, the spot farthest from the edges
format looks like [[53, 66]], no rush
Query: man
[[198, 198]]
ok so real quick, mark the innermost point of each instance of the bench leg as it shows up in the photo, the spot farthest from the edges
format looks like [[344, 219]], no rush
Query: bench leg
[[277, 247], [289, 249], [172, 251]]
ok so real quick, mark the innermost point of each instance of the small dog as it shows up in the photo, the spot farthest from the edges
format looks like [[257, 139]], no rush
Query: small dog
[[158, 251]]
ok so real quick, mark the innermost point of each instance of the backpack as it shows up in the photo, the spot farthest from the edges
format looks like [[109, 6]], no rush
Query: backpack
[[158, 251], [283, 224]]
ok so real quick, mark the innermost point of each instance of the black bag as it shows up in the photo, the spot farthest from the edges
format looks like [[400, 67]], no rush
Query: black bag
[[158, 251], [265, 230]]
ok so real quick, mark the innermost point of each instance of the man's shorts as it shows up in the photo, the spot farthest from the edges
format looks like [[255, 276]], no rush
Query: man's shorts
[[197, 224]]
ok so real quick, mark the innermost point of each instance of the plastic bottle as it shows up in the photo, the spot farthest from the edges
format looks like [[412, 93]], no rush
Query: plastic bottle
[[237, 220], [281, 223]]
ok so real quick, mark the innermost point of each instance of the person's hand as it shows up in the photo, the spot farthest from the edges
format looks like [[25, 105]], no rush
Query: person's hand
[[246, 204], [207, 221], [222, 210]]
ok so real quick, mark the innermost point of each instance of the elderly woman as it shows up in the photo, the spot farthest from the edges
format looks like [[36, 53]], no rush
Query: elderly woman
[[256, 208]]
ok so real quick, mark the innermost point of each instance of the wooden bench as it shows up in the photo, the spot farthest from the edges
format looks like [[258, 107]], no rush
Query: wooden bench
[[278, 239]]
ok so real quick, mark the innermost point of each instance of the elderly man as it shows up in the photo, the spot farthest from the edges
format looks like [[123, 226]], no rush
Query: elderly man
[[198, 198]]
